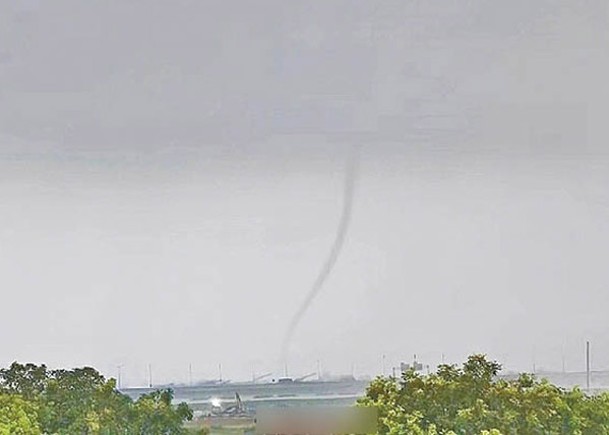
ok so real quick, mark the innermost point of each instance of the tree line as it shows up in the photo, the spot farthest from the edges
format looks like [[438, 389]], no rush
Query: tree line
[[455, 400], [35, 400], [472, 399]]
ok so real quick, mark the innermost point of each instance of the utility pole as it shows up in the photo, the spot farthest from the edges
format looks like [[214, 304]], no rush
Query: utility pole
[[118, 377], [220, 371], [588, 366], [534, 361], [190, 375], [150, 375]]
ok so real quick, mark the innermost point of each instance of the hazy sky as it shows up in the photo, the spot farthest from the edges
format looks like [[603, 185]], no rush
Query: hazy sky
[[171, 180]]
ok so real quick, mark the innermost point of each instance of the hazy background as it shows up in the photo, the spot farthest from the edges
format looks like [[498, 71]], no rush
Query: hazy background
[[171, 180]]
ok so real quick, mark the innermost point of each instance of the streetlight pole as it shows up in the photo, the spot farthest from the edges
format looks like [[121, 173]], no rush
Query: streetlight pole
[[119, 379], [588, 366]]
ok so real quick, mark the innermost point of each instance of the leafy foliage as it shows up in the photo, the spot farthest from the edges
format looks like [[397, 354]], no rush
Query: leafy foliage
[[472, 400], [155, 414], [17, 416], [34, 400]]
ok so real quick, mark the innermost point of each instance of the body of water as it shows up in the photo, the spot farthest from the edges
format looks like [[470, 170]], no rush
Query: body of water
[[254, 395]]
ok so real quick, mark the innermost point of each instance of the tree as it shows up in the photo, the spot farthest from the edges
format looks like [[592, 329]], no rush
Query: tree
[[82, 401], [27, 379], [17, 416], [156, 415], [472, 400]]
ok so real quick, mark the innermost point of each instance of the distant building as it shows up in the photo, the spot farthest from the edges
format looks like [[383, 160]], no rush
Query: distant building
[[415, 366]]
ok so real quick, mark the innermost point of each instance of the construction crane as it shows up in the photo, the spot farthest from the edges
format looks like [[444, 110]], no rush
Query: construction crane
[[261, 377], [307, 376], [290, 380]]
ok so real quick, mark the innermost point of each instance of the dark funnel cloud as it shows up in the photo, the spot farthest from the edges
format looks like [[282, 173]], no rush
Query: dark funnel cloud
[[341, 234]]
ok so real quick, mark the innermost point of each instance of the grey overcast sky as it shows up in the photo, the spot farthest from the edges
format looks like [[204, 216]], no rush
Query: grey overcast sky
[[171, 181]]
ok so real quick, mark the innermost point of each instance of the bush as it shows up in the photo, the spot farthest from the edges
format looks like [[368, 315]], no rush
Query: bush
[[17, 416], [472, 400], [34, 400]]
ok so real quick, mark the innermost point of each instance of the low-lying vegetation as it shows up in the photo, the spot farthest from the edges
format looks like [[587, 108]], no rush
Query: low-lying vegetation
[[35, 400], [472, 400]]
